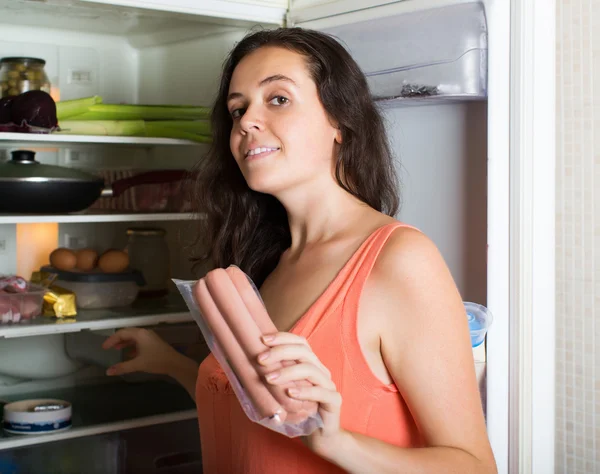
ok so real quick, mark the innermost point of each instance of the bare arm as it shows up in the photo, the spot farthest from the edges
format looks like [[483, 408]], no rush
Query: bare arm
[[426, 348], [185, 371], [154, 356]]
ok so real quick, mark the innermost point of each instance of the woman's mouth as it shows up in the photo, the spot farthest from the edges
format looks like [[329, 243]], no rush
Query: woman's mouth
[[260, 152]]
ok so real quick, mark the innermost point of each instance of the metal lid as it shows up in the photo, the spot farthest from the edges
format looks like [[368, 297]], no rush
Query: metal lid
[[24, 167], [17, 59], [147, 231]]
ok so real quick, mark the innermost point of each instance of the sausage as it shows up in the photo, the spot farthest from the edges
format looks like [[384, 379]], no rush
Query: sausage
[[247, 375], [245, 330], [265, 325]]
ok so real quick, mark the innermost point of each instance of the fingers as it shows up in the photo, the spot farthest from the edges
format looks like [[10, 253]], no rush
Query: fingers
[[280, 338], [125, 336], [291, 352], [302, 371], [123, 368], [329, 400]]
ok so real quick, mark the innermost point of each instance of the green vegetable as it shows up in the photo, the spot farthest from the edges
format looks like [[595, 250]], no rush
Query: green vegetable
[[69, 108], [125, 128], [195, 131], [201, 127], [142, 112]]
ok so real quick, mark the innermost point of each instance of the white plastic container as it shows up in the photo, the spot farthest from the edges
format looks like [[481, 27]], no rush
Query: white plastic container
[[95, 290], [21, 417]]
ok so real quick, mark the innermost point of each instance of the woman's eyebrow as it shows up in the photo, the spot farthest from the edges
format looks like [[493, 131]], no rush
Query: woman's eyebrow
[[266, 80], [275, 77]]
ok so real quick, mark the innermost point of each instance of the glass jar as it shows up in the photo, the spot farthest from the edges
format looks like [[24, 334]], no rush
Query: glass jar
[[19, 75], [149, 253]]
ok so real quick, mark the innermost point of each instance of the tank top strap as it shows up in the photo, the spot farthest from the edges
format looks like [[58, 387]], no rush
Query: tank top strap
[[368, 254], [350, 279], [349, 311]]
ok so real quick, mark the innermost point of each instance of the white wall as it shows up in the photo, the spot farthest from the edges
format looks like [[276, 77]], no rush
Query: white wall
[[578, 238]]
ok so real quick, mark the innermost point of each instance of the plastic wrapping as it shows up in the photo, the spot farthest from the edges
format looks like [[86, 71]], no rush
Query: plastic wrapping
[[232, 317]]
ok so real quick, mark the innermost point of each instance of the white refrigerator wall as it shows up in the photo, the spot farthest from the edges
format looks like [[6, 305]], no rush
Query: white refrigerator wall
[[441, 154]]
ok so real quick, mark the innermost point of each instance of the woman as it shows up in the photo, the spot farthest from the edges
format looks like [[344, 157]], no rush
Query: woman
[[299, 189]]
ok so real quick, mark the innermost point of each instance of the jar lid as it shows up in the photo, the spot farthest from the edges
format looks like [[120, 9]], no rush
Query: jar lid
[[146, 231], [22, 60]]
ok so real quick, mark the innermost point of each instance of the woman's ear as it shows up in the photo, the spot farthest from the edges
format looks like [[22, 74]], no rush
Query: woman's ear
[[338, 136]]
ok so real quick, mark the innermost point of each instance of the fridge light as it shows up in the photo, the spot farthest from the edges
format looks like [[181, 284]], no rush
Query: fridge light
[[34, 244]]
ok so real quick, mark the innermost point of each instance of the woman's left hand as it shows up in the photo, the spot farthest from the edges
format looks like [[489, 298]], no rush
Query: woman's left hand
[[287, 346]]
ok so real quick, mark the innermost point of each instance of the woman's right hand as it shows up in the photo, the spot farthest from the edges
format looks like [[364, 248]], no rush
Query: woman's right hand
[[148, 352]]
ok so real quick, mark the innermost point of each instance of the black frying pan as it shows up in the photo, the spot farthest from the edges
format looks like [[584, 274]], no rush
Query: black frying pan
[[27, 186]]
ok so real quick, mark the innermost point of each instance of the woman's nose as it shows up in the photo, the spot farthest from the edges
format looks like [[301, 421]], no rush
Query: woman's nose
[[251, 120]]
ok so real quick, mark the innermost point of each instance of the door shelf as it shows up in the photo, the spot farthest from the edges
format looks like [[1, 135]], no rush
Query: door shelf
[[390, 102], [94, 217], [108, 408], [12, 139], [141, 313]]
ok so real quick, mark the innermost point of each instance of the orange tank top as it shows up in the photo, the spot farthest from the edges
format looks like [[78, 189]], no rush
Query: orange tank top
[[232, 444]]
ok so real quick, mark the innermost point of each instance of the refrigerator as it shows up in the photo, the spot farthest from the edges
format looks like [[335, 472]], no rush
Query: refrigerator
[[439, 72]]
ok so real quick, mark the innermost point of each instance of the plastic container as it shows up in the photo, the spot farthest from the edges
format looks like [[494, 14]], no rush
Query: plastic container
[[17, 307], [480, 318], [18, 75], [37, 416], [96, 290]]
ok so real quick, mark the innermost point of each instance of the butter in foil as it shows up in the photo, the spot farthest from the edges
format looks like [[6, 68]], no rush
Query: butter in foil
[[59, 302], [44, 279]]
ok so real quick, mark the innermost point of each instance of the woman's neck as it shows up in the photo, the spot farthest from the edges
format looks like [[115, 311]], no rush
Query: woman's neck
[[315, 216]]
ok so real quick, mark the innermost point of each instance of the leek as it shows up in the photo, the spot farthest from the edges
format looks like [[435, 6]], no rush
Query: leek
[[201, 127], [168, 132], [137, 128], [142, 112], [70, 108], [125, 128]]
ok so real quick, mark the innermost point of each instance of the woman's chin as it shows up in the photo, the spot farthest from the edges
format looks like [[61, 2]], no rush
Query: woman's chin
[[266, 184]]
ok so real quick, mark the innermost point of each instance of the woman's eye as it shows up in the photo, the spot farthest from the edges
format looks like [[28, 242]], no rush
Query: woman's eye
[[237, 113], [279, 100]]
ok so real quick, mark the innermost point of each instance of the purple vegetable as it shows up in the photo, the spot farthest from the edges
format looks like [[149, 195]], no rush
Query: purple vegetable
[[5, 106], [34, 108]]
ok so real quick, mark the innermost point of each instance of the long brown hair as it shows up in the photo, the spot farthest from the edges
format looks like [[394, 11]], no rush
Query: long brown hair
[[250, 229]]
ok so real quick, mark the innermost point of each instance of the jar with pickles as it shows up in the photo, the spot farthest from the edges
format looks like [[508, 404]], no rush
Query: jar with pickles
[[18, 75]]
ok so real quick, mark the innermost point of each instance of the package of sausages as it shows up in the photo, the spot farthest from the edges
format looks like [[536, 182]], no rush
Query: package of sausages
[[228, 308]]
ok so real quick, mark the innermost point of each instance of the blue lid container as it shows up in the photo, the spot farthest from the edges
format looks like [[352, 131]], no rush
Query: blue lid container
[[479, 318]]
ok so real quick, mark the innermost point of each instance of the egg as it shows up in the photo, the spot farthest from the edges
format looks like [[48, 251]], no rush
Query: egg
[[63, 259], [113, 261], [86, 259]]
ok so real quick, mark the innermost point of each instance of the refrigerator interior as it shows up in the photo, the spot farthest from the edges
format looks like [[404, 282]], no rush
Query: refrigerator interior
[[440, 148]]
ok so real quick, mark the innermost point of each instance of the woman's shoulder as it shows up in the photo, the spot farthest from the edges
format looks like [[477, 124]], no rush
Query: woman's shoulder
[[407, 253], [409, 273]]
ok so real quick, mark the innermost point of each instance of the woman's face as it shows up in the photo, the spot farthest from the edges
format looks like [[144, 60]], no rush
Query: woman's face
[[282, 137]]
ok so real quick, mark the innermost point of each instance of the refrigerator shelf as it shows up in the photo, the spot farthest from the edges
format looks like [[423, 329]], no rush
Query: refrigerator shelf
[[440, 99], [141, 313], [12, 139], [108, 408], [95, 216]]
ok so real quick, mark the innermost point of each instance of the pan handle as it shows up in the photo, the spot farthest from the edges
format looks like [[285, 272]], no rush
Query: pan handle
[[151, 177]]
